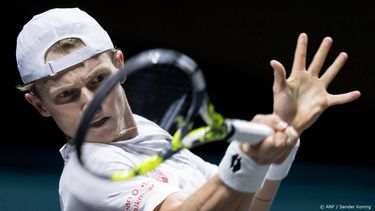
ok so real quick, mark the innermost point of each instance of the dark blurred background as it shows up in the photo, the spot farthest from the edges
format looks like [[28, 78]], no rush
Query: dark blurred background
[[233, 43]]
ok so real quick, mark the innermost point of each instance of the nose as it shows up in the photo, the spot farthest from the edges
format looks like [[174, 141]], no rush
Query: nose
[[86, 97]]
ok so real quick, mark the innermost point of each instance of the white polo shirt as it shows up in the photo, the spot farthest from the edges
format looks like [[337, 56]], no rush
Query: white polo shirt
[[80, 190]]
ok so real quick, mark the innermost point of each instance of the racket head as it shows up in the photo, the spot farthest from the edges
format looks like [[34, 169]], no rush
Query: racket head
[[164, 85], [150, 73]]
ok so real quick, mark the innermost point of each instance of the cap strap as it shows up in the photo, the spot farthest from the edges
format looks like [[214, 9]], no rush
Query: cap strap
[[55, 66]]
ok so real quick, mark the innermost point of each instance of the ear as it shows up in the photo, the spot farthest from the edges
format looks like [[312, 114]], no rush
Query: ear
[[119, 59], [38, 104]]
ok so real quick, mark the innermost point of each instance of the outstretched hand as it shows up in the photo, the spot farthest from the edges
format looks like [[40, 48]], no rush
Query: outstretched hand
[[302, 97]]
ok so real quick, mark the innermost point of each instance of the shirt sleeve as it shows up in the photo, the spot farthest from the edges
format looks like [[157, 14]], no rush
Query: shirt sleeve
[[207, 169]]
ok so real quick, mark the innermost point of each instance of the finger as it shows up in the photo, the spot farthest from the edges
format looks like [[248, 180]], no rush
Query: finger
[[292, 135], [335, 67], [320, 56], [273, 148], [299, 62], [283, 155], [281, 146], [280, 140], [261, 153], [279, 81], [292, 140], [343, 98]]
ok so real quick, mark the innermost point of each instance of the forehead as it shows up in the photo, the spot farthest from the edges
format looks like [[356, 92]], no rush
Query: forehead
[[95, 65], [63, 48]]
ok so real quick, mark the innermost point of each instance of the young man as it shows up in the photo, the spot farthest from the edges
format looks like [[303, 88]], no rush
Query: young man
[[63, 55]]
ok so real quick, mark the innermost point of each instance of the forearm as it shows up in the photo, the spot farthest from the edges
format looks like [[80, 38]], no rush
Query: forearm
[[233, 188], [215, 195], [239, 177], [263, 199]]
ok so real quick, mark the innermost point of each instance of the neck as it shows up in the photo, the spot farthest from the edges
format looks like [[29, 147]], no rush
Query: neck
[[131, 129]]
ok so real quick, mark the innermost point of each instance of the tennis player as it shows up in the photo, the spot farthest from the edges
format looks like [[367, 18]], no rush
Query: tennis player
[[63, 56]]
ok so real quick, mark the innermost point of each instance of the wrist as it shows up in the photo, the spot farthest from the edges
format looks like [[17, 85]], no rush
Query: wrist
[[298, 125]]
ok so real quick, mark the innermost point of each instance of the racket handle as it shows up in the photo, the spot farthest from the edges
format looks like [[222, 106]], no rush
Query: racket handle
[[248, 132]]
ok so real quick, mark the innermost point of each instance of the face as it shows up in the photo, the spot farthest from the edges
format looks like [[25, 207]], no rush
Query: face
[[66, 96]]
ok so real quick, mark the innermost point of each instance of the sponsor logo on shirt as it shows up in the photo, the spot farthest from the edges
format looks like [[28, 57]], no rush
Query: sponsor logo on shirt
[[137, 196], [159, 175]]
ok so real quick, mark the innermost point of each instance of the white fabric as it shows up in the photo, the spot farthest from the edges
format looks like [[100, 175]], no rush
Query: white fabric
[[279, 172], [240, 172], [81, 191], [45, 29]]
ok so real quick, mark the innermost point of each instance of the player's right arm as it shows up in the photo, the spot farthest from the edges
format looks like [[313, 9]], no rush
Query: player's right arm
[[217, 194]]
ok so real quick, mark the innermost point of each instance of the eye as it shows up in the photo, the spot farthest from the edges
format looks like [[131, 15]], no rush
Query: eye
[[99, 78], [66, 94]]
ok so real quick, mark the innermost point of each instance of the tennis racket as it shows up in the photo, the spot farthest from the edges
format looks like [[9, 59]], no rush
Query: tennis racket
[[169, 88]]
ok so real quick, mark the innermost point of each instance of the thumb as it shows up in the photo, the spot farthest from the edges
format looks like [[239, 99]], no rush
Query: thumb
[[279, 81]]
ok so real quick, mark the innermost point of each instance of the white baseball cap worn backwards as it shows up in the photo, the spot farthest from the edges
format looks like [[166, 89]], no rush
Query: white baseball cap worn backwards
[[45, 29]]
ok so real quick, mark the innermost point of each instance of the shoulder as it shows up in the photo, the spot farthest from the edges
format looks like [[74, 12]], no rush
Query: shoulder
[[148, 127]]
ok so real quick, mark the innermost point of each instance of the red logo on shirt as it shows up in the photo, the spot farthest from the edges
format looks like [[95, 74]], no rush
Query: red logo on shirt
[[137, 195], [159, 175]]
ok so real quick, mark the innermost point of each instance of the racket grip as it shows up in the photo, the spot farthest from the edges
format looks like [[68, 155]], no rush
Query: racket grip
[[248, 132]]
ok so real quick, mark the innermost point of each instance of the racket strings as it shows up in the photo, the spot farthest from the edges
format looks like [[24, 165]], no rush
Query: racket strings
[[161, 93]]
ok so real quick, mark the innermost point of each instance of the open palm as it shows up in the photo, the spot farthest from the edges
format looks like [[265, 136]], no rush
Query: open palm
[[302, 97]]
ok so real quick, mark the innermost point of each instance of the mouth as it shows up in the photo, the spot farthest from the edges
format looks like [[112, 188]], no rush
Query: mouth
[[99, 122]]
